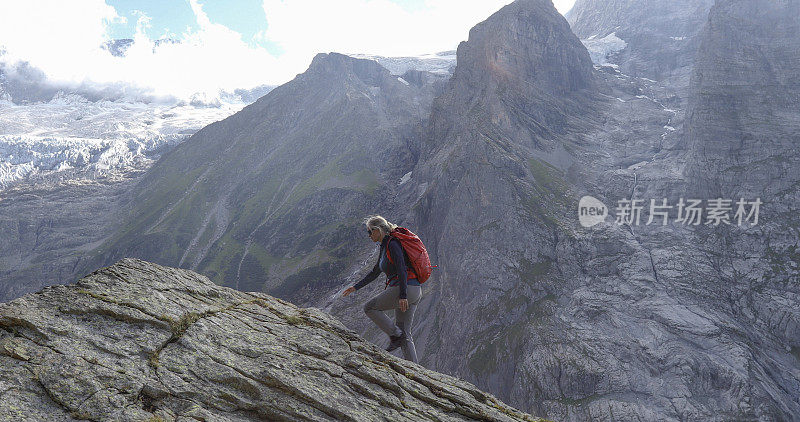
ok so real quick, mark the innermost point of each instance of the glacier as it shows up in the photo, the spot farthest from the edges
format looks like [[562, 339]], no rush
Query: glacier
[[75, 138], [600, 49], [441, 63], [87, 139]]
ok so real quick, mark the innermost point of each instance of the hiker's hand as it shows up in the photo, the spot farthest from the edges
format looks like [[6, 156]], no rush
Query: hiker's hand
[[349, 290], [403, 304]]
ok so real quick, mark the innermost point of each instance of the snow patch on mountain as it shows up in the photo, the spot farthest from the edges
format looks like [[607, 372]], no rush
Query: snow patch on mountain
[[439, 63], [601, 50]]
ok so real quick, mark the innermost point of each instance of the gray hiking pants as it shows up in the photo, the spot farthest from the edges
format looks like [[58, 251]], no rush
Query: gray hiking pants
[[387, 300]]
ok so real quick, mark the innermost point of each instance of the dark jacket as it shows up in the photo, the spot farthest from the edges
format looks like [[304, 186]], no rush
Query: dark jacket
[[397, 273]]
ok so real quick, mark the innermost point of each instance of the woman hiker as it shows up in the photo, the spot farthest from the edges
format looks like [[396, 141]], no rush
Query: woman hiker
[[402, 293]]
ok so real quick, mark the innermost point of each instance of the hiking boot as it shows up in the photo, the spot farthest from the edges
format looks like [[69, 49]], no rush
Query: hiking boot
[[396, 341]]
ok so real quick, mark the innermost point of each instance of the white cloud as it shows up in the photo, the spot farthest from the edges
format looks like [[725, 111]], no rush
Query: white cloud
[[52, 34], [372, 26], [64, 40], [563, 6], [209, 59]]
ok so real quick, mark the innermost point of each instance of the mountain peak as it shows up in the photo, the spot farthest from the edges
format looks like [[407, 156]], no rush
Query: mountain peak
[[520, 73], [137, 340], [336, 65], [530, 40]]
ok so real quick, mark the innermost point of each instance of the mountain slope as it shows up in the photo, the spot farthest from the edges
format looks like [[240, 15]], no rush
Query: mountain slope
[[660, 38], [743, 137], [628, 321], [743, 123], [65, 164], [493, 199], [138, 341], [247, 200]]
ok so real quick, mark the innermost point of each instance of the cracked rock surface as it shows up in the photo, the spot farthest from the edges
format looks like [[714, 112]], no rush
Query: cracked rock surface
[[136, 341]]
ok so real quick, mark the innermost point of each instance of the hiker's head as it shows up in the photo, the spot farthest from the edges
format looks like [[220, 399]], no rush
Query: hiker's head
[[378, 227]]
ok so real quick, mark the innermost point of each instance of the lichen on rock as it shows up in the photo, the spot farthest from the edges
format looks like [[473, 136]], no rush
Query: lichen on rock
[[138, 341]]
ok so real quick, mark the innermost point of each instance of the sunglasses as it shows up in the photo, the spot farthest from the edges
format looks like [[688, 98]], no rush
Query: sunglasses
[[369, 231]]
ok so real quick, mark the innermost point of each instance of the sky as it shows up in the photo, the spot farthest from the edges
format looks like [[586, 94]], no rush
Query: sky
[[223, 44]]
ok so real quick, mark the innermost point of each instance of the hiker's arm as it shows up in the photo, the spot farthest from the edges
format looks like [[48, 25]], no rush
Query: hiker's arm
[[400, 263], [369, 277]]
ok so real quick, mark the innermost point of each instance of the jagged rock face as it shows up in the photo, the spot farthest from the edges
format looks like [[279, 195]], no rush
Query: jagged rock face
[[704, 319], [492, 203], [572, 323], [524, 41], [47, 231], [136, 341], [522, 60], [743, 123], [271, 197], [661, 36], [743, 135]]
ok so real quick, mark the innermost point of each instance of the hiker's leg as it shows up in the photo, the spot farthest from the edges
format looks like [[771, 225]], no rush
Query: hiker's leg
[[405, 319], [383, 302]]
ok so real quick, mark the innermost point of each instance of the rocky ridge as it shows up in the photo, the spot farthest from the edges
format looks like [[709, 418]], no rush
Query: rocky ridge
[[137, 341]]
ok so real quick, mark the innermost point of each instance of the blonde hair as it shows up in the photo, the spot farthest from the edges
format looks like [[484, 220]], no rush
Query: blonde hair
[[379, 222]]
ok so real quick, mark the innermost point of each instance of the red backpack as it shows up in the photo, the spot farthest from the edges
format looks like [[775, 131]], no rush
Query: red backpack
[[415, 251]]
